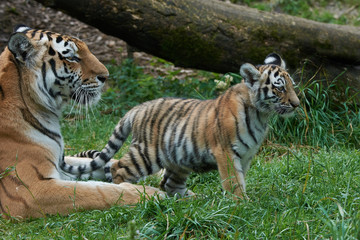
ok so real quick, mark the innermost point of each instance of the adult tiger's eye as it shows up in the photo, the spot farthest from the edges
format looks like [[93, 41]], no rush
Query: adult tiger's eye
[[73, 59], [281, 89]]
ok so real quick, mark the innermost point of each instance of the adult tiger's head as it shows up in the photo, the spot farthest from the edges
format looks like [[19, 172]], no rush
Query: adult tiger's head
[[58, 67], [271, 86]]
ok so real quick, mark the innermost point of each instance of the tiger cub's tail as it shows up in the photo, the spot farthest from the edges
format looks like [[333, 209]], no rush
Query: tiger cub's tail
[[100, 159]]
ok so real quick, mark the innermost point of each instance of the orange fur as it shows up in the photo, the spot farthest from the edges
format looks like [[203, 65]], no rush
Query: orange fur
[[36, 186], [191, 135]]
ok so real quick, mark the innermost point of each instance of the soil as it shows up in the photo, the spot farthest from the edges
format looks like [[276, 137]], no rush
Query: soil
[[34, 15], [106, 48]]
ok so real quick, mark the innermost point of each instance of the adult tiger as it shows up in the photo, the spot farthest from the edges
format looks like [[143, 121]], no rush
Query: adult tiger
[[184, 135], [40, 71]]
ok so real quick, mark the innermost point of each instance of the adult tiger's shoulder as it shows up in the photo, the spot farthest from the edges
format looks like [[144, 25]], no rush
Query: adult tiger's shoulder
[[185, 135], [40, 71]]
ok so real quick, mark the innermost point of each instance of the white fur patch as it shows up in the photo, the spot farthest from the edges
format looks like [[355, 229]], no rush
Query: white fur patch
[[270, 60], [21, 29]]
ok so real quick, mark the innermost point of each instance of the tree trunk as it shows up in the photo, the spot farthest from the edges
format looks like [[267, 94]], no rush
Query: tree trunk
[[218, 36]]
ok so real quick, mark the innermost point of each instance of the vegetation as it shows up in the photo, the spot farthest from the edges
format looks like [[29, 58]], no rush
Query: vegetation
[[303, 183], [338, 12]]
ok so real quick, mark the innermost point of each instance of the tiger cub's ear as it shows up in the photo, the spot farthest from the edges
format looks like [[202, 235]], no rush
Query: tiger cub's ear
[[21, 47], [251, 76], [274, 58]]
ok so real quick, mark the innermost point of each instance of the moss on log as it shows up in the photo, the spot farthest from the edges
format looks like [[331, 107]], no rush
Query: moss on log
[[217, 36]]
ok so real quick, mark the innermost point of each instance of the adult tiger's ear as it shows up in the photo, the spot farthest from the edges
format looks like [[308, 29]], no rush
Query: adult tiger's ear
[[274, 58], [21, 47], [250, 75]]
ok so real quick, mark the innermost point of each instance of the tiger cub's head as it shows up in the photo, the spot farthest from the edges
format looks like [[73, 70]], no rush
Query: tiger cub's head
[[57, 67], [271, 86]]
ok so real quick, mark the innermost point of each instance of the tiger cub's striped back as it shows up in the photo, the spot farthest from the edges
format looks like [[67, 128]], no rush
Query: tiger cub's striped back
[[185, 135]]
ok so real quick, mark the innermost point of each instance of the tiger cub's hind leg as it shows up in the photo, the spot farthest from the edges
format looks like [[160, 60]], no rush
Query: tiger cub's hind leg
[[175, 183], [134, 165]]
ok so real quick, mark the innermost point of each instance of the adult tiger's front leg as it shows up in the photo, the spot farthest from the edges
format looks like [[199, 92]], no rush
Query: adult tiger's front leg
[[36, 194]]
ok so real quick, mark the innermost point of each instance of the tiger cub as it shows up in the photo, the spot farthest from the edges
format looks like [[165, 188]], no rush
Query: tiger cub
[[190, 135]]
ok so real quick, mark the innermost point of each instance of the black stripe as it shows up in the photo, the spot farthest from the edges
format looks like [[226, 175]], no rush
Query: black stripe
[[66, 71], [43, 73], [141, 131], [48, 34], [159, 129], [120, 137], [247, 119], [27, 115], [146, 161], [276, 73], [155, 117], [12, 197], [236, 152], [267, 80], [135, 163], [145, 154], [48, 97], [39, 175], [187, 156], [93, 153], [2, 209], [194, 132], [183, 129], [30, 118], [51, 51], [112, 145], [104, 157], [265, 91], [59, 39], [48, 159], [127, 169], [218, 108], [209, 104], [183, 110], [82, 169], [94, 165], [2, 94], [33, 33], [60, 56], [238, 135], [53, 68]]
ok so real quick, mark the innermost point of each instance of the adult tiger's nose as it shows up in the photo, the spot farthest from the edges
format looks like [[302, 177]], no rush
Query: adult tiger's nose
[[295, 102], [102, 78]]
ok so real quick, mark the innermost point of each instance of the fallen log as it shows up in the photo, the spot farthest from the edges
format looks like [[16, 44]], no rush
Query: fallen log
[[219, 37]]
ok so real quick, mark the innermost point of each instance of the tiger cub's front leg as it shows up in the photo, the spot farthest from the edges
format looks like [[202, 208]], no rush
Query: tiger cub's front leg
[[232, 175]]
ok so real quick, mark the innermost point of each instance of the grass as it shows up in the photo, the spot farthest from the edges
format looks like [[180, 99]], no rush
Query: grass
[[337, 12], [304, 193], [304, 183]]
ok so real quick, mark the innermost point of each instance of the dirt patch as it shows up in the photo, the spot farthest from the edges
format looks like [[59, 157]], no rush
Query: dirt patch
[[33, 14], [106, 48]]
